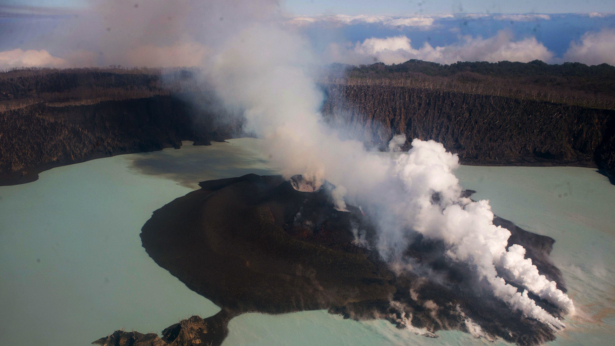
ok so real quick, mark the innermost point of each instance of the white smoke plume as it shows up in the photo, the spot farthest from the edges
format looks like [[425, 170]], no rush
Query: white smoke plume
[[265, 71], [521, 271]]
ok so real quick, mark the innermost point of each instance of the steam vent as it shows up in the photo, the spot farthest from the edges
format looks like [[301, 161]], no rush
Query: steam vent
[[263, 244]]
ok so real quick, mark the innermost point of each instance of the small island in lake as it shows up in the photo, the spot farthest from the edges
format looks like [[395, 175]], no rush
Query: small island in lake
[[259, 244]]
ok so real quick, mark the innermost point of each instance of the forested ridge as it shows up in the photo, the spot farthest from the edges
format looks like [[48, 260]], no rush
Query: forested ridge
[[568, 83], [492, 114], [481, 129]]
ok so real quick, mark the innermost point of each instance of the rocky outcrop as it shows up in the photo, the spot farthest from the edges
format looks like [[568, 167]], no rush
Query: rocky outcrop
[[189, 332], [122, 338]]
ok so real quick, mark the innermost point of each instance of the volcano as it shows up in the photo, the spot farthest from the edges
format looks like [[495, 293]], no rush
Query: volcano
[[264, 244]]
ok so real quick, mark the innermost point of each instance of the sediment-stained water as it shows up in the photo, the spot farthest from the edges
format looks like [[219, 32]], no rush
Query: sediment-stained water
[[73, 268]]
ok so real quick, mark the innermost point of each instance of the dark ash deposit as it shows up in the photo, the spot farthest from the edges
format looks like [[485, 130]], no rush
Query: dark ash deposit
[[256, 244]]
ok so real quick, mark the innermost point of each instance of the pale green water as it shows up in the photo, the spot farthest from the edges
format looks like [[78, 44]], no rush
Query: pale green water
[[83, 223], [72, 268]]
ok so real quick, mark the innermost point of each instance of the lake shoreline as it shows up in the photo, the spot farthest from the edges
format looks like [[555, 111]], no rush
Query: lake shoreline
[[31, 174], [60, 218]]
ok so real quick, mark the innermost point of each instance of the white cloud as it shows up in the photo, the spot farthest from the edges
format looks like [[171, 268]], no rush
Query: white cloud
[[187, 54], [476, 15], [599, 14], [356, 19], [522, 17], [594, 48], [29, 58], [159, 31], [412, 21], [419, 21], [377, 45], [395, 50], [299, 21]]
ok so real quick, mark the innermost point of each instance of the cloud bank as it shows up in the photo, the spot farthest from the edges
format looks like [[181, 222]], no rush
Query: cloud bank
[[172, 34], [418, 21], [151, 33], [594, 48], [522, 17], [29, 58], [398, 49]]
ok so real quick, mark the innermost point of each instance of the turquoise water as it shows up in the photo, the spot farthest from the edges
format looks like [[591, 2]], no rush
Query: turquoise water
[[72, 267]]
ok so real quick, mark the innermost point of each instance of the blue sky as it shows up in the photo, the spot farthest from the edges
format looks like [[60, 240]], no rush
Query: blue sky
[[414, 30], [406, 7]]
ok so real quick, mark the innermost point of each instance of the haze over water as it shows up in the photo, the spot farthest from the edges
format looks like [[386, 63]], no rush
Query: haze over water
[[75, 270]]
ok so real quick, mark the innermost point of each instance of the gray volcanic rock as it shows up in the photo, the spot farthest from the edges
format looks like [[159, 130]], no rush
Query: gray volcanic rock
[[122, 338], [192, 331]]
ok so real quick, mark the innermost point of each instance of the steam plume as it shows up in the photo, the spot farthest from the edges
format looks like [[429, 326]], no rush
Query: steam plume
[[265, 71]]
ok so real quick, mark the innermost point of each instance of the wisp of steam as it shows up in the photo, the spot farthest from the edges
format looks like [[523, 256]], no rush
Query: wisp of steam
[[265, 71]]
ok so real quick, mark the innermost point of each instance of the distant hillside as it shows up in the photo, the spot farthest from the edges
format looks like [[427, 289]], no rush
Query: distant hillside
[[51, 117], [481, 129], [490, 114], [20, 88], [569, 83]]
